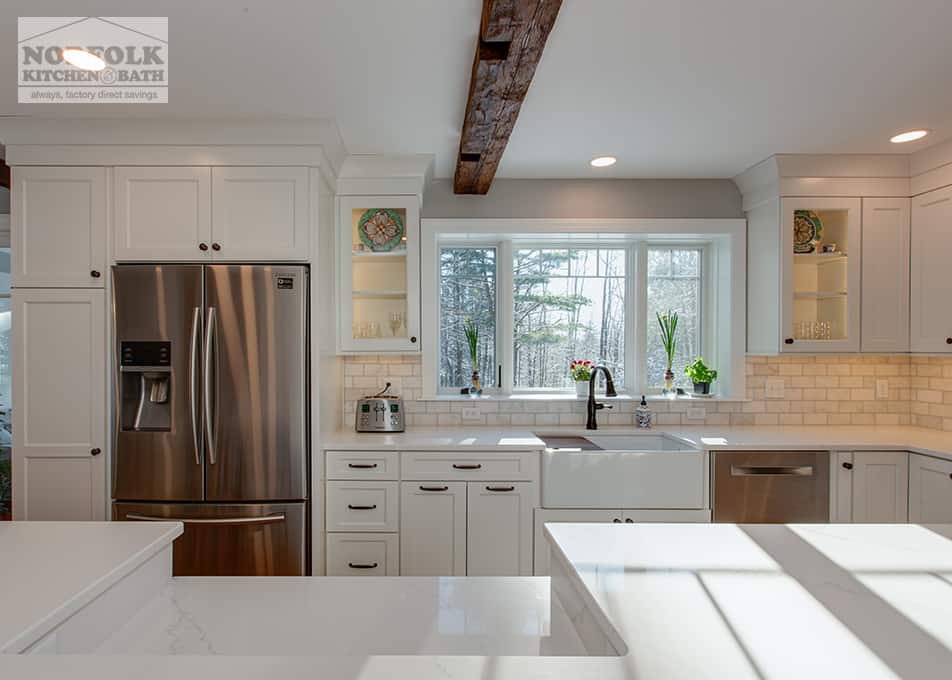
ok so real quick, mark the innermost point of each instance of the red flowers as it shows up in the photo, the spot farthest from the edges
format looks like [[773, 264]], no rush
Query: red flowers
[[581, 369]]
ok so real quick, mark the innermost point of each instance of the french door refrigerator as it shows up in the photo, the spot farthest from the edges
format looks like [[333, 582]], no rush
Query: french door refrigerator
[[211, 394]]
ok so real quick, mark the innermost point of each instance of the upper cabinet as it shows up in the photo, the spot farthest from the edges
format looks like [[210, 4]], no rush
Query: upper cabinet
[[58, 227], [885, 270], [820, 272], [930, 316], [379, 268], [163, 213], [260, 214], [220, 214]]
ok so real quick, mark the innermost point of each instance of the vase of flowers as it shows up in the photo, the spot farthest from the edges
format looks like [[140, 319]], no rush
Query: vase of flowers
[[472, 340], [701, 376], [581, 371], [668, 322]]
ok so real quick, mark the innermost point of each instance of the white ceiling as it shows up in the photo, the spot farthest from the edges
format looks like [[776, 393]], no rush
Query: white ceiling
[[674, 88]]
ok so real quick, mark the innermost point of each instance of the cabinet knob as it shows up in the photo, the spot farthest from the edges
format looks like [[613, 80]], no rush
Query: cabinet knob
[[412, 338], [216, 247], [203, 247], [788, 341], [95, 274], [848, 466], [948, 341], [95, 452]]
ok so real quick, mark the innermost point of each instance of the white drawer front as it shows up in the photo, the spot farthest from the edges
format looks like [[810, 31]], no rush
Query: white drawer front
[[363, 465], [362, 506], [422, 465], [363, 555]]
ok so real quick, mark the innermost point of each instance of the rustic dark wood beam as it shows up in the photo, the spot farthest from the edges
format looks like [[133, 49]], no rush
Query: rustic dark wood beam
[[512, 37], [4, 174]]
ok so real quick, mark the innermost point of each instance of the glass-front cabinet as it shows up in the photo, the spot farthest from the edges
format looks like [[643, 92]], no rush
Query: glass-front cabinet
[[379, 273], [820, 305]]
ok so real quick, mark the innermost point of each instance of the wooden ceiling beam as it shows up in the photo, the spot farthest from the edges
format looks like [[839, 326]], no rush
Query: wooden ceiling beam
[[512, 36]]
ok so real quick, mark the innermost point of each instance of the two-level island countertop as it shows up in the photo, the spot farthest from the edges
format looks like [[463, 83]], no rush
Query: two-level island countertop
[[708, 437], [645, 601]]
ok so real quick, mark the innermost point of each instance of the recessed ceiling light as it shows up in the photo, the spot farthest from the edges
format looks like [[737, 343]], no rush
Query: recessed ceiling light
[[603, 161], [910, 136], [83, 59]]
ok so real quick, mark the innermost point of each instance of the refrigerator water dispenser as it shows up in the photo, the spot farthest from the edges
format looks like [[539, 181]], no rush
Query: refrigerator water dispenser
[[145, 403]]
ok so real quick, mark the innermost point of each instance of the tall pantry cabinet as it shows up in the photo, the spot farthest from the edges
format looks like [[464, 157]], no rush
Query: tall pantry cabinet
[[58, 267]]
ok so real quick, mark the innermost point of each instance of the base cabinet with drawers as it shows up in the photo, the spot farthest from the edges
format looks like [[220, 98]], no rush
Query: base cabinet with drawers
[[430, 513]]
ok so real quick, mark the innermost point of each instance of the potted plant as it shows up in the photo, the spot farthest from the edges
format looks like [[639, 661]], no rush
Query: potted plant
[[581, 371], [472, 340], [669, 327], [701, 375]]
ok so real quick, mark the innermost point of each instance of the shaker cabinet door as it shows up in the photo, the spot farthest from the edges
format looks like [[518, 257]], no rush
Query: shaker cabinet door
[[930, 490], [433, 529], [59, 423], [499, 528], [930, 320]]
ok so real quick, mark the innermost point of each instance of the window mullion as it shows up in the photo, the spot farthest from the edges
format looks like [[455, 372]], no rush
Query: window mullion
[[639, 297], [505, 308]]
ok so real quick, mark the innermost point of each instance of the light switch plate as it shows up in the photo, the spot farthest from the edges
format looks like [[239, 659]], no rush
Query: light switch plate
[[774, 388], [470, 413], [882, 389], [696, 413]]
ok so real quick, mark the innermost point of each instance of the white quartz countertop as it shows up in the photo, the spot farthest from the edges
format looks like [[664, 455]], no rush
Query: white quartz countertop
[[710, 437], [49, 570]]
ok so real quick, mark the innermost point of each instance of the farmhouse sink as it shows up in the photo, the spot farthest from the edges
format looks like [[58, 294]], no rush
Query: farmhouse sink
[[622, 471]]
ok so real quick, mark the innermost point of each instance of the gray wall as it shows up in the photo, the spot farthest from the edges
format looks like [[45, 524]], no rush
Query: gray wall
[[588, 198]]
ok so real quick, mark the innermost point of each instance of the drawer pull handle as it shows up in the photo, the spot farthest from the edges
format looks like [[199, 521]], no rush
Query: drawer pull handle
[[362, 466], [629, 520], [358, 565], [362, 507], [616, 521], [434, 488], [771, 470], [467, 466], [500, 488]]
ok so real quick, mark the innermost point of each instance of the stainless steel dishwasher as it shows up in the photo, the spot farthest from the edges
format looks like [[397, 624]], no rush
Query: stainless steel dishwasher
[[771, 487]]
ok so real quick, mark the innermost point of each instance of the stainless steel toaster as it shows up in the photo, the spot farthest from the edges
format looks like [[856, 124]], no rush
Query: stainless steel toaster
[[381, 412]]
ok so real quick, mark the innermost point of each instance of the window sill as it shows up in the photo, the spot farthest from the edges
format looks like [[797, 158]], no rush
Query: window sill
[[567, 396]]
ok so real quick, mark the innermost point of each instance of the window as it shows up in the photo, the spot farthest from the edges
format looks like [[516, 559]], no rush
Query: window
[[674, 283], [544, 294], [467, 291], [567, 304]]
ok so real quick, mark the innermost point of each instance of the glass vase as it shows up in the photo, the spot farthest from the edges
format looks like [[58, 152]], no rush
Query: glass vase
[[475, 389], [669, 381]]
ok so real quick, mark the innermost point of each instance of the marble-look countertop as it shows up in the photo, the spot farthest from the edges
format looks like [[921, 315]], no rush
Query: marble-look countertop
[[710, 437], [50, 570]]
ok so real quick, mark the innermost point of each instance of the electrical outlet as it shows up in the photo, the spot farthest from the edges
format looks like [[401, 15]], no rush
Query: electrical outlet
[[774, 388], [882, 389], [471, 413], [696, 413]]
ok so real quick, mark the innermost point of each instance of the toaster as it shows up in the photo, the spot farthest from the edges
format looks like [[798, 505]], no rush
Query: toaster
[[381, 412]]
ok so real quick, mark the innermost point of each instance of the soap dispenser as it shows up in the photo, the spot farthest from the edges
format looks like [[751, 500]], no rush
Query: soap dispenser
[[643, 414]]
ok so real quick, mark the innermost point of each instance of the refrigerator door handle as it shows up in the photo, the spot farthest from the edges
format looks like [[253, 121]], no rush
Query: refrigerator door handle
[[267, 519], [209, 410], [193, 381]]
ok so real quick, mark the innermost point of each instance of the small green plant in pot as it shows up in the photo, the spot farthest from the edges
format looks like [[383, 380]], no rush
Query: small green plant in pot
[[701, 375], [668, 323], [471, 331]]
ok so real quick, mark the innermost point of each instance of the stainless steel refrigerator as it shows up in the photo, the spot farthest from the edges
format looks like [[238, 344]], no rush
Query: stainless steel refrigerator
[[211, 394]]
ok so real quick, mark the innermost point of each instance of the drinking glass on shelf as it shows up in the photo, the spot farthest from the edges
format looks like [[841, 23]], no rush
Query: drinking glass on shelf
[[396, 321], [373, 329]]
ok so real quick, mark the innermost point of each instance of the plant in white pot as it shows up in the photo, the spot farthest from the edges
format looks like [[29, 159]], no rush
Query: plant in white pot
[[581, 371], [668, 323], [701, 376]]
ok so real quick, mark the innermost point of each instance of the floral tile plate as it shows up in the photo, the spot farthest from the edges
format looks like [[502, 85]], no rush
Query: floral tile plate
[[381, 229], [807, 230]]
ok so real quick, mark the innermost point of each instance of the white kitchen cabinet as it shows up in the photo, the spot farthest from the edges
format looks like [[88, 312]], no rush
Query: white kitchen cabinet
[[260, 213], [363, 555], [163, 213], [874, 486], [820, 291], [930, 317], [362, 506], [58, 227], [885, 272], [930, 490], [379, 277], [59, 423], [433, 529], [499, 528]]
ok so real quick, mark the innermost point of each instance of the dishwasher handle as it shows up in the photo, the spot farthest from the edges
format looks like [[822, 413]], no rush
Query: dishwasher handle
[[771, 470]]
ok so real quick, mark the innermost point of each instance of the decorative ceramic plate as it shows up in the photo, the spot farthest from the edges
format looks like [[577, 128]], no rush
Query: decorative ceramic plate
[[381, 229], [807, 229]]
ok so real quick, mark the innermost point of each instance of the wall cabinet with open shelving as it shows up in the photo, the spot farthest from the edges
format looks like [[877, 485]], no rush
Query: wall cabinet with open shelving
[[379, 268]]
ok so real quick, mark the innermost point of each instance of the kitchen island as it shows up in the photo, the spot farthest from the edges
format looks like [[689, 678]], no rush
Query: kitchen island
[[626, 601]]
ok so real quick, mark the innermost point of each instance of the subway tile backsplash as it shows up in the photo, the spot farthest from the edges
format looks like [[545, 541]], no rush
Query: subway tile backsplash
[[817, 390]]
